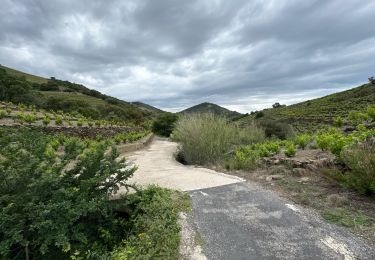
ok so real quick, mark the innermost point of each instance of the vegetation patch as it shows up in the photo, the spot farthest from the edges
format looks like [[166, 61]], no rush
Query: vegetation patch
[[208, 139], [56, 193], [155, 233], [164, 124]]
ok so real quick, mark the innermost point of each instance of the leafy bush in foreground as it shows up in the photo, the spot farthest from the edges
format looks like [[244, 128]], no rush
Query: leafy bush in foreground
[[53, 207], [155, 232]]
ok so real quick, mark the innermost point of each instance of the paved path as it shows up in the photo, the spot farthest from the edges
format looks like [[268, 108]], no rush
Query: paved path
[[240, 220], [157, 165]]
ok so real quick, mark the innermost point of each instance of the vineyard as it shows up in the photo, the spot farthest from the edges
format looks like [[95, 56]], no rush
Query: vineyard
[[71, 98], [310, 115], [331, 139]]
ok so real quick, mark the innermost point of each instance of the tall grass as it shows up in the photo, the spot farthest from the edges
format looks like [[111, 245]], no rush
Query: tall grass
[[361, 161], [207, 138]]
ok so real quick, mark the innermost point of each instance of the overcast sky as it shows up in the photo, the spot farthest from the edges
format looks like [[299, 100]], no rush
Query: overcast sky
[[243, 55]]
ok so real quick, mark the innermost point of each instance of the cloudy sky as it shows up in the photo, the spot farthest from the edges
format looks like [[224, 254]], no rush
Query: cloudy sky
[[243, 55]]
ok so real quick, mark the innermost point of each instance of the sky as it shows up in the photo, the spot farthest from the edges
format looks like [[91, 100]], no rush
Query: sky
[[243, 55]]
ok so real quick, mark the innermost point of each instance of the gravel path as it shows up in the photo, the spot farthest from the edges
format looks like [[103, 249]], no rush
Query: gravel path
[[234, 219]]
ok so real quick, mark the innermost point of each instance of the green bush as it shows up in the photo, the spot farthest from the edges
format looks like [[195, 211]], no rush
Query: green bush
[[46, 120], [49, 211], [339, 122], [361, 160], [29, 118], [58, 120], [274, 128], [80, 122], [155, 232], [207, 139], [3, 114], [164, 124], [243, 160], [371, 112], [303, 140], [290, 149]]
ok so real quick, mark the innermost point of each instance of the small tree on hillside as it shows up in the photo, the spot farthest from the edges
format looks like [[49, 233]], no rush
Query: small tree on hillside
[[371, 80]]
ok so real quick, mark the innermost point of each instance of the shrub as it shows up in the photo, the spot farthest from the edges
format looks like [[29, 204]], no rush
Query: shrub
[[9, 111], [46, 120], [58, 120], [361, 160], [290, 149], [49, 212], [207, 139], [357, 117], [339, 122], [164, 124], [371, 112], [274, 128], [303, 140], [79, 122], [29, 118], [250, 134], [243, 160], [155, 233], [90, 123], [259, 114], [3, 113]]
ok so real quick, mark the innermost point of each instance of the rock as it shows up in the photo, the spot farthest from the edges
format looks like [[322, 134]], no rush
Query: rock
[[305, 179], [299, 171], [274, 177]]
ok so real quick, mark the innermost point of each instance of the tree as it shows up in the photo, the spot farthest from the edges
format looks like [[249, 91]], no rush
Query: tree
[[277, 105], [164, 124], [371, 80]]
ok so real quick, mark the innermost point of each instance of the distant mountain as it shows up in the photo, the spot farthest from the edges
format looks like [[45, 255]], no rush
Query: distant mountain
[[147, 107], [54, 94], [320, 111], [211, 108]]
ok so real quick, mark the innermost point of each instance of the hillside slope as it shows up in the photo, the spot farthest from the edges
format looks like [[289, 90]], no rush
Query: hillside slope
[[28, 77], [321, 110], [54, 94], [211, 108]]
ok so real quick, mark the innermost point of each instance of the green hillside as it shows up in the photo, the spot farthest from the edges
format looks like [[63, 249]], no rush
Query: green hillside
[[314, 113], [54, 94], [28, 77], [211, 108]]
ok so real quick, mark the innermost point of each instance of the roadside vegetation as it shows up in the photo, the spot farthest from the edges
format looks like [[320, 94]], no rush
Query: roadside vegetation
[[331, 169], [206, 139], [56, 199]]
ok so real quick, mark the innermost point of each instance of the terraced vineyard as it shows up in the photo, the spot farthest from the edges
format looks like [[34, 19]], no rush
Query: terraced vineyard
[[312, 114]]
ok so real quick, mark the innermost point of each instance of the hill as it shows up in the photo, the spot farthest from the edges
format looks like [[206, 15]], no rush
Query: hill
[[211, 108], [311, 114], [54, 94], [147, 107], [28, 77]]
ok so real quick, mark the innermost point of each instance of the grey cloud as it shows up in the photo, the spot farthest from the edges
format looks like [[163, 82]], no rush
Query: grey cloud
[[174, 54]]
